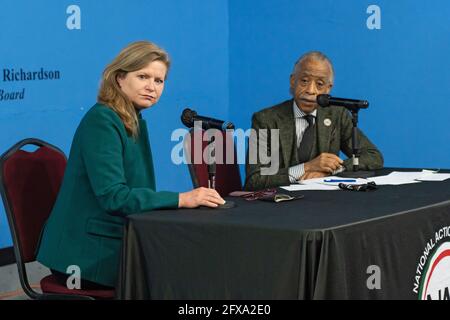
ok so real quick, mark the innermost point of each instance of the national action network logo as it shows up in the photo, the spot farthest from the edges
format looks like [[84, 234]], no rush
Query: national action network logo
[[432, 280]]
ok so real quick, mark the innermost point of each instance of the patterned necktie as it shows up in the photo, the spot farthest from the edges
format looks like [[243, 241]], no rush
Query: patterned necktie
[[304, 150]]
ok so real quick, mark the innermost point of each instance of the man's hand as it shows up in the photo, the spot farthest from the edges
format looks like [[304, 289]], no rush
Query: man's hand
[[313, 174], [200, 197], [325, 162]]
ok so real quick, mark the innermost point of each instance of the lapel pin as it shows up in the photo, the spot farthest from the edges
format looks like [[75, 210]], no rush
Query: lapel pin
[[327, 122]]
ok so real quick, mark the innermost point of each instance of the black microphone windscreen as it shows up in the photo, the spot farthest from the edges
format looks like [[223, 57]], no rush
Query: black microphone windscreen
[[323, 100], [187, 117]]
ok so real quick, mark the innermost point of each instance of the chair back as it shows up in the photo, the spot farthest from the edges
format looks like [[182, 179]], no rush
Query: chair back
[[30, 182], [227, 175]]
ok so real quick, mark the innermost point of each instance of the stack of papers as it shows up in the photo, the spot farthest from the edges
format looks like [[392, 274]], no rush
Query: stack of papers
[[394, 178]]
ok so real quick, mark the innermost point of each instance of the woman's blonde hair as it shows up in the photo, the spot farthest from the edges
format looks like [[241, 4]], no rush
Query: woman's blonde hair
[[135, 56]]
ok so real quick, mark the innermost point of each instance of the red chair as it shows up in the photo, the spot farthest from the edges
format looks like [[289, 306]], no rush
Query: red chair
[[228, 177], [29, 184]]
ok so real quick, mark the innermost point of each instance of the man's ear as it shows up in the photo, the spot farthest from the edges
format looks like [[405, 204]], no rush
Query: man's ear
[[292, 81]]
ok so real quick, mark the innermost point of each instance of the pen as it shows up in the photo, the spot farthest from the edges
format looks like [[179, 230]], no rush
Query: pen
[[339, 180]]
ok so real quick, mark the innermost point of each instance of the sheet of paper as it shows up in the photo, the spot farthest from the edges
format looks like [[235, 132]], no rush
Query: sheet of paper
[[306, 187], [334, 181], [385, 180], [394, 178], [326, 183], [435, 177], [398, 178]]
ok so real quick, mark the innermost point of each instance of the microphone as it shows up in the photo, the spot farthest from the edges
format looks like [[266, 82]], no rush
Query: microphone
[[188, 117], [325, 100]]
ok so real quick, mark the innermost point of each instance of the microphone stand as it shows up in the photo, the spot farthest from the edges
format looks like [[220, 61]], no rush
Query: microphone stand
[[212, 174], [212, 165], [355, 173]]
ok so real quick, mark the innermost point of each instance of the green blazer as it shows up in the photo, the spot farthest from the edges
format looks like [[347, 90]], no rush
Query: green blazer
[[331, 139], [109, 175]]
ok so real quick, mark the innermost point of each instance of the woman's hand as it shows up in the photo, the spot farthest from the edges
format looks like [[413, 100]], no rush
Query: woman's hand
[[200, 197]]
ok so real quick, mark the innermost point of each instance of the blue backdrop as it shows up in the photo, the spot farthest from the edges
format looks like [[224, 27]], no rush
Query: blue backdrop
[[35, 35], [402, 68], [230, 59]]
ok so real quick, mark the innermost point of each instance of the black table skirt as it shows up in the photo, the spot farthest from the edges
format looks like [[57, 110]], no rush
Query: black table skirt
[[319, 247]]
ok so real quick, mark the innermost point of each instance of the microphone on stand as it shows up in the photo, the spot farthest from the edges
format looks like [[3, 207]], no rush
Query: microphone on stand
[[188, 118], [325, 100]]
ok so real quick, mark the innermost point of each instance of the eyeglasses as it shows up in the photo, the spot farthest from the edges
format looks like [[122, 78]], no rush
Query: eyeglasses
[[259, 194], [370, 186]]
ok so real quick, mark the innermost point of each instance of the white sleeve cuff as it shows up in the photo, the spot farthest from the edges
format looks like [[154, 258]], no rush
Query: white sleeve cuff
[[296, 172]]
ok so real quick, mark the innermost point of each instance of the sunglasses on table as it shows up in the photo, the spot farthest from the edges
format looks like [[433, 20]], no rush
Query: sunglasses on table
[[266, 194], [259, 194], [370, 186]]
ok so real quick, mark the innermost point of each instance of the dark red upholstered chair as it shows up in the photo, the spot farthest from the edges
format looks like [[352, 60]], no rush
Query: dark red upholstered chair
[[228, 177], [29, 184]]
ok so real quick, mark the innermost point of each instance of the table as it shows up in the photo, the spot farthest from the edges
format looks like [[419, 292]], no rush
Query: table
[[328, 245]]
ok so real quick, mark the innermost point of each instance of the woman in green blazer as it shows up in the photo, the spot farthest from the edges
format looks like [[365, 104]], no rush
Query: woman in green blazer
[[110, 174]]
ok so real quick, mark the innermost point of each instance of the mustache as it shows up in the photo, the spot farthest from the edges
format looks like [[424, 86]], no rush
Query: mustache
[[307, 100]]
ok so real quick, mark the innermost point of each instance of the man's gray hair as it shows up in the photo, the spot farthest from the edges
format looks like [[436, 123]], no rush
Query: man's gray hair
[[314, 55]]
